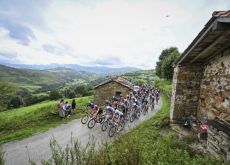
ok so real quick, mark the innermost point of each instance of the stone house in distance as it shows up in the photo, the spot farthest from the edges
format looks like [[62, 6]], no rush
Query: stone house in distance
[[113, 87]]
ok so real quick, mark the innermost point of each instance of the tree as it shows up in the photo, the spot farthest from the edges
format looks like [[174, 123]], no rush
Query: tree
[[15, 102], [83, 90], [71, 95], [164, 67], [6, 91], [30, 99], [54, 95], [139, 82]]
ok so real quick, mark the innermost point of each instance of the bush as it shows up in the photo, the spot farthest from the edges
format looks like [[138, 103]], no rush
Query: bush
[[15, 102], [6, 92], [30, 99], [71, 95], [54, 95], [84, 90]]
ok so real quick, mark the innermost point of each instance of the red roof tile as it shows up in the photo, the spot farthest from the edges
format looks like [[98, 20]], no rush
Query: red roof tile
[[221, 13]]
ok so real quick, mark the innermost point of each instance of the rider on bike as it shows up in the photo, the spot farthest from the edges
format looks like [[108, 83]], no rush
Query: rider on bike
[[118, 115]]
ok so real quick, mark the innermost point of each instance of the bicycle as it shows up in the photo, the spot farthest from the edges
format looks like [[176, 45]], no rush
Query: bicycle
[[98, 119], [106, 123], [145, 108], [115, 127], [134, 115], [86, 117], [152, 106]]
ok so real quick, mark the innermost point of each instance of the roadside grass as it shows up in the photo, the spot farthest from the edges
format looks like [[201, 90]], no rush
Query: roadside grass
[[163, 84], [146, 144], [22, 122]]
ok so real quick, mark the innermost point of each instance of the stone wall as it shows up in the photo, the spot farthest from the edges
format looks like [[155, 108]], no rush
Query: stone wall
[[107, 91], [186, 90], [218, 142], [215, 88]]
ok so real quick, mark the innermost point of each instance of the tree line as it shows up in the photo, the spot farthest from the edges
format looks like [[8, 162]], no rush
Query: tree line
[[164, 68], [11, 97]]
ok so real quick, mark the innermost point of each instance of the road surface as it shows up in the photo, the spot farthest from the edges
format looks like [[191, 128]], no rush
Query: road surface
[[36, 148]]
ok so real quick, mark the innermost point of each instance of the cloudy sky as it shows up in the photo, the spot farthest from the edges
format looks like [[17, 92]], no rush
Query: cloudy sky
[[113, 33]]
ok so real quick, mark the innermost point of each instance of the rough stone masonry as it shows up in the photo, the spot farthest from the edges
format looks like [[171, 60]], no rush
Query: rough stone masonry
[[201, 82]]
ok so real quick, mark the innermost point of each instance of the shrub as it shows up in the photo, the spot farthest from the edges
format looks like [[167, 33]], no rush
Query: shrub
[[15, 102], [83, 90], [54, 95], [30, 99], [71, 95]]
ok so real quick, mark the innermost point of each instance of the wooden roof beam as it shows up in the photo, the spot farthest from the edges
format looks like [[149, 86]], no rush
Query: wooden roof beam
[[208, 48]]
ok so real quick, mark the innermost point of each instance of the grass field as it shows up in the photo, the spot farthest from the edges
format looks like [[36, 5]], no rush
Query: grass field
[[23, 122], [149, 143]]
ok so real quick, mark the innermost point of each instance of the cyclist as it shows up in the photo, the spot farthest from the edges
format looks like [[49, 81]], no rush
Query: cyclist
[[118, 115], [137, 106]]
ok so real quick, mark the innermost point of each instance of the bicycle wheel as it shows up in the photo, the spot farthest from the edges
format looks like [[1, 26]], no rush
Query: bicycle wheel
[[147, 109], [122, 125], [144, 111], [104, 126], [152, 108], [101, 118], [132, 116], [112, 131], [138, 115], [127, 118], [84, 119], [91, 123]]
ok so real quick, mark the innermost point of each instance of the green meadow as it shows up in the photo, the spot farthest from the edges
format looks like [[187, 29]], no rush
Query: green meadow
[[23, 122]]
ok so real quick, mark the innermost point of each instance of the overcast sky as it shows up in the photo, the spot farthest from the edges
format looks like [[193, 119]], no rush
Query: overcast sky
[[99, 32]]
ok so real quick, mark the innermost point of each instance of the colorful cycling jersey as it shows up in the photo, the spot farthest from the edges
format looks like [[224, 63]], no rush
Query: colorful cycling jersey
[[123, 107], [137, 107], [119, 113], [111, 109], [91, 105]]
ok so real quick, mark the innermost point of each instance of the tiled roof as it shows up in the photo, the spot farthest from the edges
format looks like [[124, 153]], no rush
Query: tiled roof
[[188, 54], [221, 13], [119, 80]]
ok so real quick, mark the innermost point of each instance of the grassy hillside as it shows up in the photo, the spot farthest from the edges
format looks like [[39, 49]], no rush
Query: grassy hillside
[[32, 80], [146, 76], [23, 122]]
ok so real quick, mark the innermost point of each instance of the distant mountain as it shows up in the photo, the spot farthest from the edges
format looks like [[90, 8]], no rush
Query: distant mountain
[[33, 80], [92, 69]]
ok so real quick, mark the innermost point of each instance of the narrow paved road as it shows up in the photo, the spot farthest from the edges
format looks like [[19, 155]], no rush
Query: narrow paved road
[[37, 147]]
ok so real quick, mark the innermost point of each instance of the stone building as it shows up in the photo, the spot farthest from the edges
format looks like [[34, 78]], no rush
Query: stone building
[[201, 82], [108, 89]]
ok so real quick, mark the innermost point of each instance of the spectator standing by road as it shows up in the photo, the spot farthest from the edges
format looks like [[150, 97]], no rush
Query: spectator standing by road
[[73, 104]]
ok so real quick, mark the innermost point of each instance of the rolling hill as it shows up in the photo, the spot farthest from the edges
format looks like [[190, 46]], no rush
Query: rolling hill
[[43, 80], [76, 67]]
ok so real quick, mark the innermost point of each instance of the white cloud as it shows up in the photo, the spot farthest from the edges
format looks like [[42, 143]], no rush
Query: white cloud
[[135, 32]]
